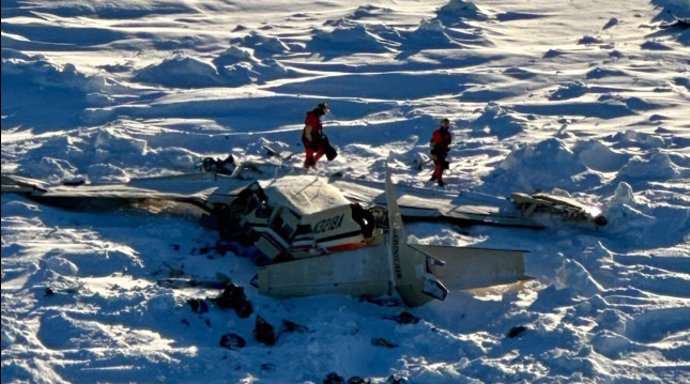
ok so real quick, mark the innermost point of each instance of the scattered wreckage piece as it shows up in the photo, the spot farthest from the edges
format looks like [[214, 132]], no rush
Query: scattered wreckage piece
[[557, 205]]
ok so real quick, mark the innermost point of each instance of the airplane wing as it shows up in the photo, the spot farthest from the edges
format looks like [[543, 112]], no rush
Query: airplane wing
[[423, 205], [201, 189]]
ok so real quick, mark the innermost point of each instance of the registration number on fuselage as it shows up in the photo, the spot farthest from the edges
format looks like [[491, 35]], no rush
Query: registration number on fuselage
[[329, 224]]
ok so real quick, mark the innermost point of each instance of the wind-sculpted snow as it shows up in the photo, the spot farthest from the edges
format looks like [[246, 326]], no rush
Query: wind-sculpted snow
[[675, 14], [658, 166], [233, 67], [432, 34], [41, 35], [263, 46], [96, 8], [671, 8], [180, 71], [596, 155], [571, 90], [346, 38], [606, 108], [632, 138], [590, 40], [108, 154], [457, 11], [521, 170], [230, 57], [598, 73], [412, 85], [61, 91], [370, 11], [349, 36], [654, 45], [496, 120], [643, 225], [582, 99]]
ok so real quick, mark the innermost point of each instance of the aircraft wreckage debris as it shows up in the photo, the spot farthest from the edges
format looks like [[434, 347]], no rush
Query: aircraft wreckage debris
[[315, 236]]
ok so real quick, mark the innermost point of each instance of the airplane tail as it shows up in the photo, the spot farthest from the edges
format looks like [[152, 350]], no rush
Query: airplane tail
[[410, 272]]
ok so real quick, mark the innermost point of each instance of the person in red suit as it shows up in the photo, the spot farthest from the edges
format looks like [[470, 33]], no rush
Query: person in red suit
[[440, 145], [312, 135]]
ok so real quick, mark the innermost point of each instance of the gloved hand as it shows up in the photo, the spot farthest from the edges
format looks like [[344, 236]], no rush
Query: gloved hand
[[440, 151], [317, 140]]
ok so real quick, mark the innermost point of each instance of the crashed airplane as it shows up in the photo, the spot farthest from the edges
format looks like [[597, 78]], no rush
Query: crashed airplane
[[320, 236]]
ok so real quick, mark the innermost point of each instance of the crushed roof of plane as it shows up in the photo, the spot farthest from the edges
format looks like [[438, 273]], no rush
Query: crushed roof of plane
[[304, 195]]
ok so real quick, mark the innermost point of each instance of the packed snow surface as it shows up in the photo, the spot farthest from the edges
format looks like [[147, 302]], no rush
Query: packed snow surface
[[588, 99]]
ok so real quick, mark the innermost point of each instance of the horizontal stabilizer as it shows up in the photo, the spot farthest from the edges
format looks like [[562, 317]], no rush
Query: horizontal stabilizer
[[469, 268]]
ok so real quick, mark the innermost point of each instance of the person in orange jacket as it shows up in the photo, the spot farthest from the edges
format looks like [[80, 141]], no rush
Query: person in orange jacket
[[312, 135], [440, 145]]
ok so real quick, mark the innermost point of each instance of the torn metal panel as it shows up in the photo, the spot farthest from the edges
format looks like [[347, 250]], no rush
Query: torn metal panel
[[563, 206]]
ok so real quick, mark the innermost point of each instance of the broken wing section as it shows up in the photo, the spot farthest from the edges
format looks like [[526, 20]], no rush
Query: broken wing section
[[201, 189], [565, 207], [21, 185], [423, 205]]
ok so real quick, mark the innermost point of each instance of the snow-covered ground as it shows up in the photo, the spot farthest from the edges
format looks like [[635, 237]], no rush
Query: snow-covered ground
[[587, 98]]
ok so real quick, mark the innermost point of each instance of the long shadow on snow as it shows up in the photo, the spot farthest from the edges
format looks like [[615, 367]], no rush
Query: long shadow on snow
[[42, 108], [13, 8], [599, 110], [386, 86], [115, 310], [450, 63], [82, 37], [246, 115]]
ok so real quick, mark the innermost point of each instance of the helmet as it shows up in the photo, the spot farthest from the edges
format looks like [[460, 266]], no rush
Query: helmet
[[445, 122], [324, 107]]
